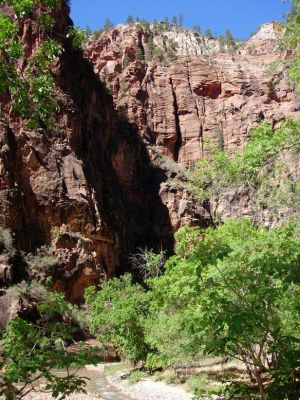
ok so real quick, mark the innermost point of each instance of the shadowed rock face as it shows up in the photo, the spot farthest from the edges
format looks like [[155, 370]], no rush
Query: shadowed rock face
[[206, 95], [87, 186]]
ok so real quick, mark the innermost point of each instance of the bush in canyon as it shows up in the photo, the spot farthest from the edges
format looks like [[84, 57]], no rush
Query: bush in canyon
[[6, 242], [148, 263], [264, 164], [118, 313]]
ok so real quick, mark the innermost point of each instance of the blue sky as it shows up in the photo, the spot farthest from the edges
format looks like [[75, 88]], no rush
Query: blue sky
[[241, 16]]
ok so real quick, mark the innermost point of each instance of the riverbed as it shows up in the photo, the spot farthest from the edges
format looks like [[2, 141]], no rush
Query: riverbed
[[101, 387]]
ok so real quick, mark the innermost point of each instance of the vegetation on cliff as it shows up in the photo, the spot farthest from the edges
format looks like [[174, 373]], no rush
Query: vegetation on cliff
[[31, 86], [268, 165]]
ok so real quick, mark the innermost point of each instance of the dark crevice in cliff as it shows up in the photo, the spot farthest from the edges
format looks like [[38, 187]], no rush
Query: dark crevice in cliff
[[117, 165], [178, 143]]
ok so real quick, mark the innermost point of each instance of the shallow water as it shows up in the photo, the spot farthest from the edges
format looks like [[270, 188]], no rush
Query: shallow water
[[98, 384]]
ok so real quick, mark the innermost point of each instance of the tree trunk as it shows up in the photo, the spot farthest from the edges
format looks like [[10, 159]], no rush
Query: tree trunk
[[259, 381], [10, 394]]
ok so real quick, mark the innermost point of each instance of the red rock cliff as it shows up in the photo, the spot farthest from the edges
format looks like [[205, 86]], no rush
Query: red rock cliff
[[87, 186], [201, 94]]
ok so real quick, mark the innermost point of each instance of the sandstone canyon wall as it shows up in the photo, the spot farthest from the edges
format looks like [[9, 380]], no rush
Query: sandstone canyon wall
[[205, 95], [188, 94], [87, 186]]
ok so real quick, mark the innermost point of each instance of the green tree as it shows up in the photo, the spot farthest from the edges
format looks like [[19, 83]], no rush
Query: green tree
[[31, 351], [77, 36], [158, 54], [88, 30], [229, 39], [139, 55], [108, 24], [130, 20], [231, 291], [180, 19], [126, 61], [117, 312], [174, 20], [208, 33], [32, 92], [218, 172]]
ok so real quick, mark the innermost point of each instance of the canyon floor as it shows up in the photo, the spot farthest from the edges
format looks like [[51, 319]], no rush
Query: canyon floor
[[113, 387]]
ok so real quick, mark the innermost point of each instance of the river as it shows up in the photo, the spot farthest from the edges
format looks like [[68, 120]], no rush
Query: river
[[97, 383]]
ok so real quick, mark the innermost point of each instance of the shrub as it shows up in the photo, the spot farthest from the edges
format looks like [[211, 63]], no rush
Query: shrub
[[136, 376], [148, 263], [253, 165], [42, 263], [6, 241], [117, 315]]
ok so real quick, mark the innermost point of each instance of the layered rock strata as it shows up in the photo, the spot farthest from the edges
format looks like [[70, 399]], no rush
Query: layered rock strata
[[200, 97]]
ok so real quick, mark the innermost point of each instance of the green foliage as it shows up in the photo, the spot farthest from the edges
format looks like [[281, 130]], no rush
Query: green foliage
[[30, 351], [251, 165], [41, 264], [174, 20], [46, 22], [108, 24], [32, 92], [117, 316], [126, 61], [130, 20], [77, 36], [158, 54], [139, 55], [136, 376], [6, 241], [22, 7], [231, 292], [208, 33], [292, 39], [148, 263], [8, 30], [46, 54], [200, 386], [229, 40]]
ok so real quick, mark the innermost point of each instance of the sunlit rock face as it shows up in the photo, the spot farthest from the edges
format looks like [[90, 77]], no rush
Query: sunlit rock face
[[203, 93]]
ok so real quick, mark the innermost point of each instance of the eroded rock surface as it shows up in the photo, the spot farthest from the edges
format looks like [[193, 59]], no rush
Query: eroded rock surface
[[205, 95]]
